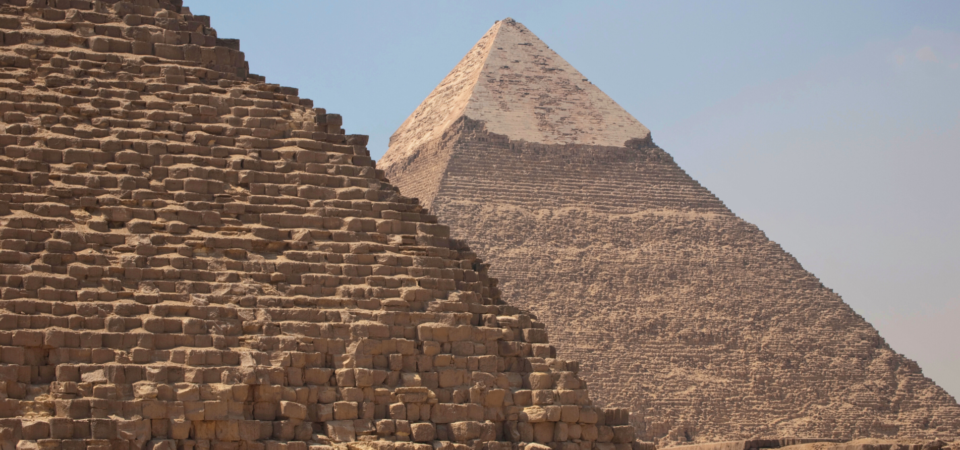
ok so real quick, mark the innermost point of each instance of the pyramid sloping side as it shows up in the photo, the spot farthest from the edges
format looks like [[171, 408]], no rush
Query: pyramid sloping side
[[683, 313], [191, 258], [423, 160]]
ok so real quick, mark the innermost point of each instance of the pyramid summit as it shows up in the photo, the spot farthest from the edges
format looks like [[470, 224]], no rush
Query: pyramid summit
[[679, 310], [511, 75], [193, 258], [520, 88]]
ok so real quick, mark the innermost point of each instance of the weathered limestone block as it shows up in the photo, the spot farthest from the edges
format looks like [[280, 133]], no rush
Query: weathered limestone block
[[422, 432], [341, 430]]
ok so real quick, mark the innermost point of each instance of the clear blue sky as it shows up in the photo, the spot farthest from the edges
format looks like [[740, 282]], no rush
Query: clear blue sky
[[833, 126]]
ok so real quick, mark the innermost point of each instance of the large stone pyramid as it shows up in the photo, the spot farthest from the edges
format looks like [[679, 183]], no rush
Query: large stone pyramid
[[193, 259], [680, 311]]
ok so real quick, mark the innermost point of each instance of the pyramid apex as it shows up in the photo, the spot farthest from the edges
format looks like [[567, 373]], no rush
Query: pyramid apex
[[518, 87]]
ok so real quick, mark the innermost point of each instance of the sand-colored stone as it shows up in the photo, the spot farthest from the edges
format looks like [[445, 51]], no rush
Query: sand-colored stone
[[679, 310], [192, 258]]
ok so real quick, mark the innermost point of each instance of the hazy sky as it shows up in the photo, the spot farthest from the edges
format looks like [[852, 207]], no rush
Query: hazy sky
[[833, 126]]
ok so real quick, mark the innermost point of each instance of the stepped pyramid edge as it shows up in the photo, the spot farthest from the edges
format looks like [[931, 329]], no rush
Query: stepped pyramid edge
[[192, 258]]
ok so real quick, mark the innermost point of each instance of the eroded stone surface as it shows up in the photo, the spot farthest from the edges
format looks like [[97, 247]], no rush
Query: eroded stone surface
[[191, 258], [680, 311]]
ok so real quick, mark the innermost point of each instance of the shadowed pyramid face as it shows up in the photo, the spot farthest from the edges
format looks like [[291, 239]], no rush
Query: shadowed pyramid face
[[680, 311], [193, 258]]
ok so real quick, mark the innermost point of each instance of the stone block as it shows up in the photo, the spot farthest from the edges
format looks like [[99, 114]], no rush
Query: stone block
[[168, 51], [589, 432], [623, 434], [588, 415], [60, 428], [570, 413], [553, 413], [604, 434], [346, 378], [465, 430], [293, 410], [228, 430], [525, 430], [398, 411], [215, 410], [345, 410], [533, 414], [341, 430], [560, 432], [324, 412], [543, 432], [543, 397], [444, 413], [35, 429], [574, 430], [539, 380], [423, 432], [27, 338], [179, 429]]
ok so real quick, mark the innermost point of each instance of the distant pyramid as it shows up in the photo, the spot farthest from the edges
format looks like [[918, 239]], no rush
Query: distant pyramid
[[681, 311]]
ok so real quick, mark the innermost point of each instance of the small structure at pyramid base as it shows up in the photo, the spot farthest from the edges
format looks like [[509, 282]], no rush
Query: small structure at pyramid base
[[194, 259], [679, 310]]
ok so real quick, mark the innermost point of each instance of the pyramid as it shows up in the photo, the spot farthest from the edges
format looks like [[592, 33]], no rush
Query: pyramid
[[679, 310], [195, 259]]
